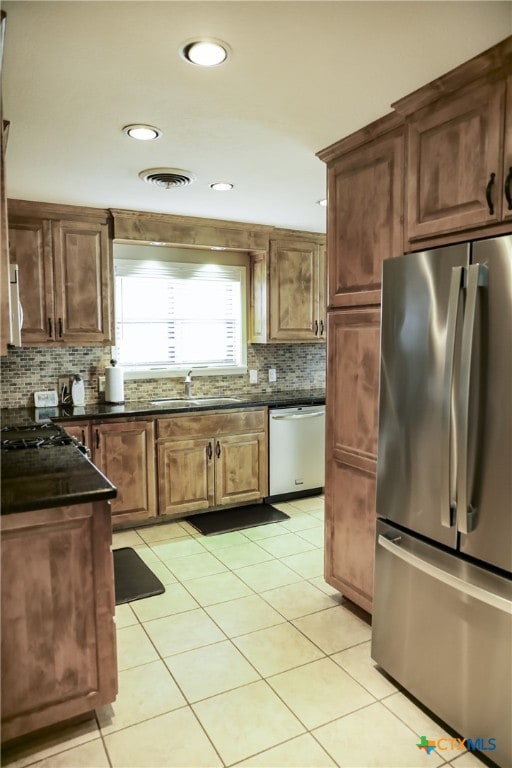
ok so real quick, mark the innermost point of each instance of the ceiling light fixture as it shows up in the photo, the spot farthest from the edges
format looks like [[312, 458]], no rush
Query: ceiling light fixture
[[205, 53], [322, 202], [221, 186], [142, 132]]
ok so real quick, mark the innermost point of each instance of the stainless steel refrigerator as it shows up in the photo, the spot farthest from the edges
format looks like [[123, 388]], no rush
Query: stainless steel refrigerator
[[442, 622]]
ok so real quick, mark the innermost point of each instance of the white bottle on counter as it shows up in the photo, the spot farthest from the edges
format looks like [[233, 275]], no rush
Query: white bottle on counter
[[78, 390]]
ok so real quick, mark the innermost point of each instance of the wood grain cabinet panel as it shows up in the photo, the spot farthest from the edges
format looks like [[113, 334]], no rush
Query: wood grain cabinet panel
[[125, 452], [365, 217], [507, 154], [353, 350], [58, 635], [213, 460], [81, 430]]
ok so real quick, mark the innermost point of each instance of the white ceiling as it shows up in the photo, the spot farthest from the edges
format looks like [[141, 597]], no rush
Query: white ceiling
[[301, 76]]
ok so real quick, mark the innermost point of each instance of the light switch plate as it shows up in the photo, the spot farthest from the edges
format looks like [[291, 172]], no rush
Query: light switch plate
[[253, 377], [46, 399], [272, 375]]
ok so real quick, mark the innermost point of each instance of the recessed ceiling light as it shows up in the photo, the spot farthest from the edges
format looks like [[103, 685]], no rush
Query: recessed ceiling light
[[221, 186], [142, 132], [205, 53], [322, 202]]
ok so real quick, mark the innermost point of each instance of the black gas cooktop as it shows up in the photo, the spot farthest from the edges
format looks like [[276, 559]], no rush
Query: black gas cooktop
[[46, 435]]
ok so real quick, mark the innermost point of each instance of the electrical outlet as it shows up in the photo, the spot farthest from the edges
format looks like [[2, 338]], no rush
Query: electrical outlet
[[253, 377], [272, 375], [64, 388], [101, 384]]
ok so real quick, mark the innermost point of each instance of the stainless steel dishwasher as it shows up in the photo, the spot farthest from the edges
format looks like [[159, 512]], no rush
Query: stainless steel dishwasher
[[296, 450]]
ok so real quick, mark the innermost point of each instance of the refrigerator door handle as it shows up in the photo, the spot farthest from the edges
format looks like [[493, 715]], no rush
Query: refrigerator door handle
[[448, 504], [466, 512], [468, 588]]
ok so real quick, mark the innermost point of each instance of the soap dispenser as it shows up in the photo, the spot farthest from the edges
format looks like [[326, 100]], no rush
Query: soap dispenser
[[78, 390]]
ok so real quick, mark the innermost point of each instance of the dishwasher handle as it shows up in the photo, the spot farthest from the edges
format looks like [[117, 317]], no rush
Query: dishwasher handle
[[294, 416]]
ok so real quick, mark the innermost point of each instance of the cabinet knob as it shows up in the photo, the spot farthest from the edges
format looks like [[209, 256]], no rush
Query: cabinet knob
[[488, 193], [97, 438], [321, 327], [209, 451], [50, 328], [60, 327], [217, 449], [508, 194], [316, 327]]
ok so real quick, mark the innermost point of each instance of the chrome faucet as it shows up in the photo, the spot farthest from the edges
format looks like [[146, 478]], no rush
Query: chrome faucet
[[188, 384]]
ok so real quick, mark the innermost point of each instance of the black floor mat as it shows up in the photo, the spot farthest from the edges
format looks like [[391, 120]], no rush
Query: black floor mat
[[225, 520], [132, 578]]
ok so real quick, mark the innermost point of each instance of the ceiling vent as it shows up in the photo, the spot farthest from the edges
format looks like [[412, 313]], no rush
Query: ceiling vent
[[167, 177]]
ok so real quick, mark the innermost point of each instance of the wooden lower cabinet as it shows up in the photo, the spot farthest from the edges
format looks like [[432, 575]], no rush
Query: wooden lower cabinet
[[210, 461], [353, 345], [81, 430], [57, 612], [124, 450]]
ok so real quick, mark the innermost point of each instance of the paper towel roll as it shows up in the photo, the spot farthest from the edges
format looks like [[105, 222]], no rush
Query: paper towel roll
[[114, 385]]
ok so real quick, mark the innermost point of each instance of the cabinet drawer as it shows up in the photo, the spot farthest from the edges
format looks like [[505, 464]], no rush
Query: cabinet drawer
[[227, 422]]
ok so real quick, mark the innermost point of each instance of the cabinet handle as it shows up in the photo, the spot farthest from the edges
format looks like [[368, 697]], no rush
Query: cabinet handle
[[60, 327], [50, 328], [97, 438], [316, 327], [508, 194], [209, 451], [321, 327], [83, 436], [488, 193], [217, 449]]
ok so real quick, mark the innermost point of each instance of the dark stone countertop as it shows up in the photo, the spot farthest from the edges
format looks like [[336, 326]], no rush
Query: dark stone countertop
[[134, 408], [60, 476], [43, 478]]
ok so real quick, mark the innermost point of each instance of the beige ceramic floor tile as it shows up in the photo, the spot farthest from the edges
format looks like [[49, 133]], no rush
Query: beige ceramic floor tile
[[45, 745], [128, 538], [162, 572], [218, 588], [358, 663], [288, 544], [467, 760], [182, 632], [208, 671], [241, 555], [319, 692], [299, 599], [309, 503], [419, 721], [373, 738], [175, 599], [247, 614], [88, 755], [276, 649], [246, 721], [318, 514], [265, 576], [168, 551], [145, 553], [264, 532], [134, 648], [315, 536], [334, 629], [144, 692], [195, 566], [301, 752], [163, 532], [321, 583], [306, 564], [173, 740], [223, 540], [125, 617], [300, 521]]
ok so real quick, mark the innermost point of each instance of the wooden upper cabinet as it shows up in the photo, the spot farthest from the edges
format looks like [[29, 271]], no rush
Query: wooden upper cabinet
[[288, 290], [365, 210], [64, 274], [507, 155], [455, 163]]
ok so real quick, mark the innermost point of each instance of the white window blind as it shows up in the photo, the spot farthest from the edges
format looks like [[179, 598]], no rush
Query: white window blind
[[178, 315]]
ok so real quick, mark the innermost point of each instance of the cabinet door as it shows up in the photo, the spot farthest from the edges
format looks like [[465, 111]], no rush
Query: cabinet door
[[81, 430], [30, 247], [351, 441], [82, 282], [185, 476], [454, 147], [365, 218], [294, 290], [125, 453], [507, 155], [240, 468]]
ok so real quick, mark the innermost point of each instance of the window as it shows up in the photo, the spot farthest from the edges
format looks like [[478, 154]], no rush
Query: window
[[177, 316]]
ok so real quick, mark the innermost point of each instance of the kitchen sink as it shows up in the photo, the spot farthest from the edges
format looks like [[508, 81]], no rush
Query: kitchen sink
[[195, 401]]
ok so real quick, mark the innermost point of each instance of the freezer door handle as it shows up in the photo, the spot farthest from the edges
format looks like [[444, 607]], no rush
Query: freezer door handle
[[466, 512], [448, 505], [394, 547], [294, 416]]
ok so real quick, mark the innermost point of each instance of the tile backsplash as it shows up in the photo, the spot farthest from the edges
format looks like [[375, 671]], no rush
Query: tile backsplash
[[24, 371]]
